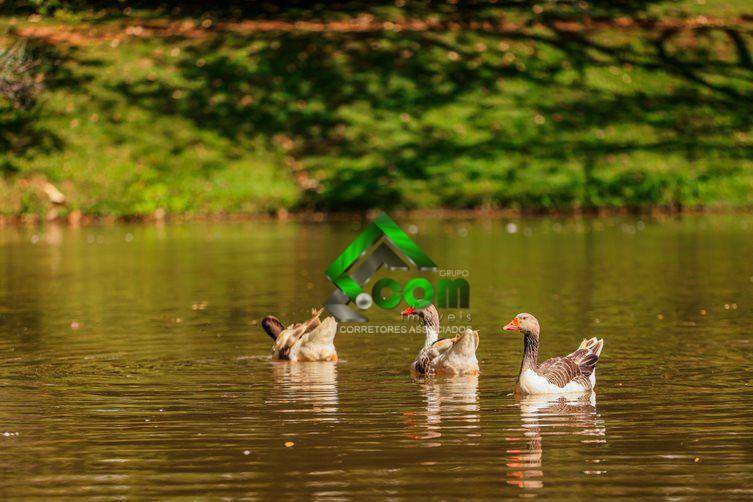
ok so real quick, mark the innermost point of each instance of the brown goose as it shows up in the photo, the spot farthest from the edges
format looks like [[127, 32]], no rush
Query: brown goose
[[311, 341], [575, 372], [448, 356]]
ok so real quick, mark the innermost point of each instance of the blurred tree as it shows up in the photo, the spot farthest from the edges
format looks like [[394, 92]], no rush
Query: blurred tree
[[20, 83]]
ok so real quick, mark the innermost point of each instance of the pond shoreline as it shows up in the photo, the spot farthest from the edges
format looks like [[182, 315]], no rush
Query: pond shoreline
[[75, 220]]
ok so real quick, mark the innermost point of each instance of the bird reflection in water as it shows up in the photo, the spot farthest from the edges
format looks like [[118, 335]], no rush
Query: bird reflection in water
[[548, 415], [305, 391], [451, 404]]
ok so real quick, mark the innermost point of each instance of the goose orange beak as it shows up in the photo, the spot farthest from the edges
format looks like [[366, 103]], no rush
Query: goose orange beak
[[408, 311], [513, 325]]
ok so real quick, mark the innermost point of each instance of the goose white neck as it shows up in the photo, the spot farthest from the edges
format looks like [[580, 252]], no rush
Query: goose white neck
[[432, 335], [430, 317]]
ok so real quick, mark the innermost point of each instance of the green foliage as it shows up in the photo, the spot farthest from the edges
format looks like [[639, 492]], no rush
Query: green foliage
[[532, 117]]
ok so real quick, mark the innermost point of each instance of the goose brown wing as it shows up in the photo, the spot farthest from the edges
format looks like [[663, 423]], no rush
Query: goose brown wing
[[287, 339], [560, 371], [544, 367], [428, 354], [577, 366], [585, 359]]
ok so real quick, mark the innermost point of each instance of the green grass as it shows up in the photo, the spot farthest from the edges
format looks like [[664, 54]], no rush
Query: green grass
[[255, 122], [118, 158]]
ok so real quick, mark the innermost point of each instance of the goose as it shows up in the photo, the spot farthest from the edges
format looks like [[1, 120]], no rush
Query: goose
[[311, 341], [444, 356], [575, 372]]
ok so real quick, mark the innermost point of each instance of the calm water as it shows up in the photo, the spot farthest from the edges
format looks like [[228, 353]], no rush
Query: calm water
[[132, 365]]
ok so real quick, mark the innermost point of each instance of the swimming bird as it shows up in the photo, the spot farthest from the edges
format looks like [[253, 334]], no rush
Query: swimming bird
[[575, 372], [313, 340], [445, 356]]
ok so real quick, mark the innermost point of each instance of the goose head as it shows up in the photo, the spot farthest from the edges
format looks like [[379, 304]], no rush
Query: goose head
[[272, 326], [525, 323], [428, 314]]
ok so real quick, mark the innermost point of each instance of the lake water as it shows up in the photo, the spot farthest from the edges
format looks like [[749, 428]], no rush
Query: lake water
[[132, 364]]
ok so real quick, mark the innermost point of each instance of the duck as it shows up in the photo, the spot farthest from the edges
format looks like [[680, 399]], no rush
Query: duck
[[444, 356], [575, 372], [313, 340]]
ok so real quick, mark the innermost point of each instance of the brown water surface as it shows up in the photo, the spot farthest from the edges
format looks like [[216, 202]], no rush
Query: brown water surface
[[132, 364]]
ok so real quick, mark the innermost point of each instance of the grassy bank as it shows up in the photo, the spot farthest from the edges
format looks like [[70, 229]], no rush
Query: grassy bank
[[145, 114]]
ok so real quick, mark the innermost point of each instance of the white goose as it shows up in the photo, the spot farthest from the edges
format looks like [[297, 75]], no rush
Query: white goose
[[444, 356], [311, 341], [575, 372]]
